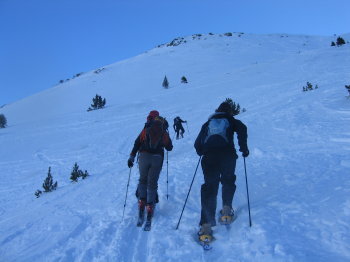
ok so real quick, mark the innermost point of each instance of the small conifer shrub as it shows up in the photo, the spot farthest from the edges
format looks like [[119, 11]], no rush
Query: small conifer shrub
[[309, 87], [165, 83], [340, 41], [348, 88], [48, 185], [76, 173], [3, 121], [97, 103], [38, 193], [84, 175], [184, 80], [99, 70]]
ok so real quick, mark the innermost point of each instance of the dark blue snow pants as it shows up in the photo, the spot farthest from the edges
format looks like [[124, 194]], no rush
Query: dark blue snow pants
[[218, 167]]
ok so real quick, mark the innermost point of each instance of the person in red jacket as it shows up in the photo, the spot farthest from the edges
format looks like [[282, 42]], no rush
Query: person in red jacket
[[150, 144]]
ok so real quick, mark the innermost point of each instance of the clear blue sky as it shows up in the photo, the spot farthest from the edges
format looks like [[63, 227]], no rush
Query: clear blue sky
[[44, 41]]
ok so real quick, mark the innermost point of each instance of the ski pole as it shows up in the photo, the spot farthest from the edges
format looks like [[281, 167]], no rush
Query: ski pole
[[167, 176], [246, 182], [187, 128], [195, 172], [126, 195]]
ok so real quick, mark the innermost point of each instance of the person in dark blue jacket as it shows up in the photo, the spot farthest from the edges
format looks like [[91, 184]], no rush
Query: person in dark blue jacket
[[178, 128], [215, 144]]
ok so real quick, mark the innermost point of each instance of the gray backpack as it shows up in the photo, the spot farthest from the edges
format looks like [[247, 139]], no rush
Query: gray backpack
[[216, 135]]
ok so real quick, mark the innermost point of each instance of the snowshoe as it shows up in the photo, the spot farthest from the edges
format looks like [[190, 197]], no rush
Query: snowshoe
[[205, 236], [226, 215]]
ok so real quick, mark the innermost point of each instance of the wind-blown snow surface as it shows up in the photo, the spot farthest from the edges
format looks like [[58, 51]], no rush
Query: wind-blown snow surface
[[298, 169]]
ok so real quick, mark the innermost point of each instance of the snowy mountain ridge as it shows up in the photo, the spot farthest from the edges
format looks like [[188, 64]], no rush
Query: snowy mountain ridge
[[297, 169]]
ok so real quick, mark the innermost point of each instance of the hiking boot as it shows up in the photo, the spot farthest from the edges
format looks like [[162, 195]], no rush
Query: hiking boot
[[205, 233], [141, 204], [226, 215], [150, 210], [205, 229]]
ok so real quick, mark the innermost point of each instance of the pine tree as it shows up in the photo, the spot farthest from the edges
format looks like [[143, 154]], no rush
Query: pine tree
[[165, 83], [48, 182], [84, 175], [332, 44], [97, 103], [184, 80], [38, 193], [309, 86], [103, 103], [76, 173], [340, 41], [348, 88], [3, 121]]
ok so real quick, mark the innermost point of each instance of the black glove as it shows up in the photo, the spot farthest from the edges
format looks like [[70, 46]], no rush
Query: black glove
[[245, 153], [131, 161], [199, 152]]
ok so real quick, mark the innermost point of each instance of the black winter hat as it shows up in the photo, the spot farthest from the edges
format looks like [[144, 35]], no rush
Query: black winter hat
[[224, 107]]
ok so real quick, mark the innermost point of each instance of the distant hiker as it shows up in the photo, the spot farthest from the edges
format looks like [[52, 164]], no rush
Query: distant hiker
[[150, 144], [178, 128], [215, 144]]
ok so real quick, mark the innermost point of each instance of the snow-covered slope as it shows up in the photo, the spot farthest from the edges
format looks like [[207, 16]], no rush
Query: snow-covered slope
[[298, 169]]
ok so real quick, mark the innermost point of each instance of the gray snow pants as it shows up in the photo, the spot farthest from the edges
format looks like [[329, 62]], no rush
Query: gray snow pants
[[150, 166]]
